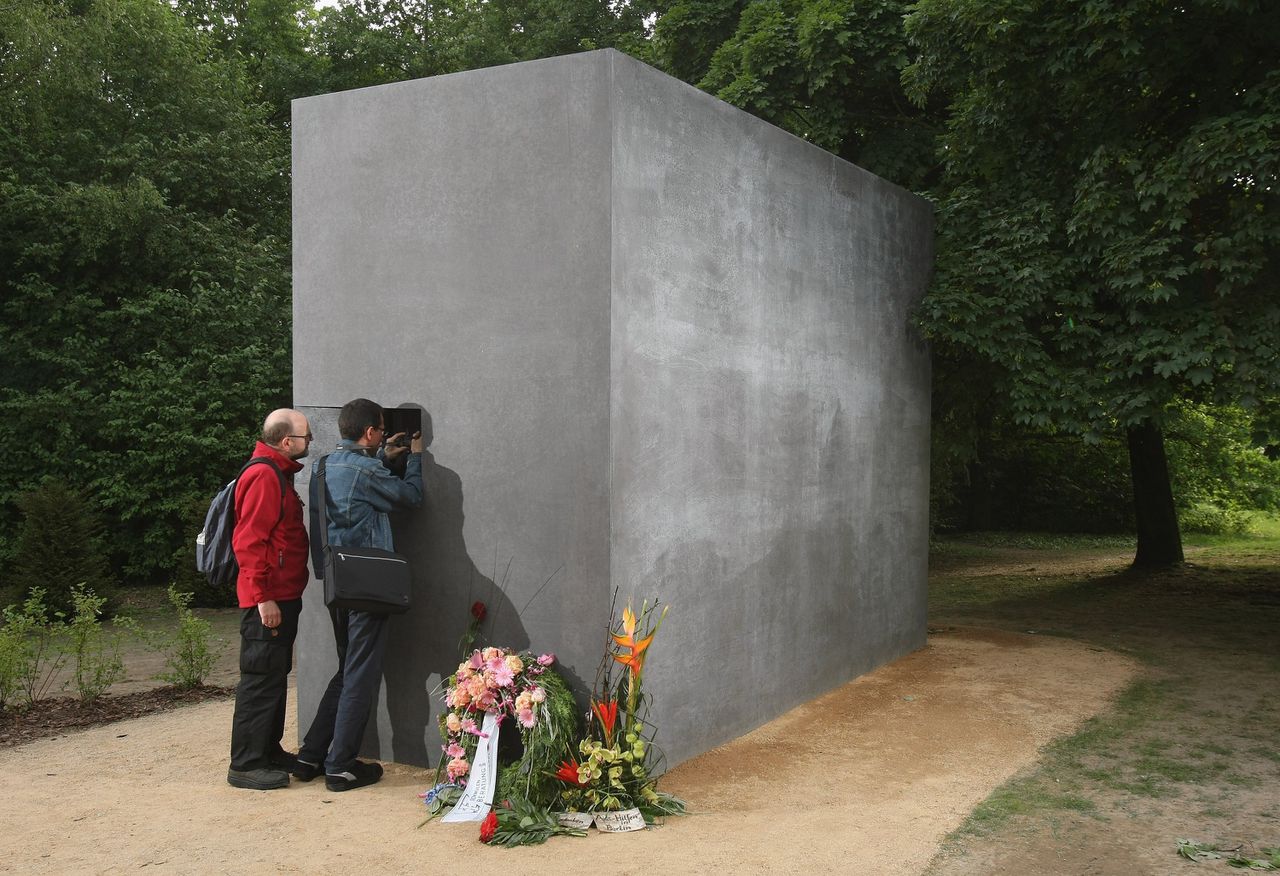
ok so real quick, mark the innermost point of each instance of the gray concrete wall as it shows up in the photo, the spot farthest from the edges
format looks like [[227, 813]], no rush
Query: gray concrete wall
[[769, 407], [665, 349], [451, 249]]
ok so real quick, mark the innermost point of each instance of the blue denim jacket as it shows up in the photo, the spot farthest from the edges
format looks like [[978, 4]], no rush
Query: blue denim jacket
[[361, 491]]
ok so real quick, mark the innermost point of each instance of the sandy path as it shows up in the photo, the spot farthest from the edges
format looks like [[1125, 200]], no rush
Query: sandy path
[[868, 779]]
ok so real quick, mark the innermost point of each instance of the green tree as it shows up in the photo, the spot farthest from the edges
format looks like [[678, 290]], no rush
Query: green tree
[[144, 275], [1108, 222], [59, 548], [371, 42], [271, 38], [827, 71]]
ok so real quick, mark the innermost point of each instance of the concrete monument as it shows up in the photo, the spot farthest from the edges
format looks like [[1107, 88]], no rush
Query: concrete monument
[[665, 350]]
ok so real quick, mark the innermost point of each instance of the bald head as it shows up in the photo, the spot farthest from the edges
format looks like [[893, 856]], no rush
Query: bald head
[[282, 423]]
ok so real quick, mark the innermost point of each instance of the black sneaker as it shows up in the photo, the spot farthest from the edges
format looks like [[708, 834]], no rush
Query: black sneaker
[[258, 780], [283, 760], [357, 776], [305, 772]]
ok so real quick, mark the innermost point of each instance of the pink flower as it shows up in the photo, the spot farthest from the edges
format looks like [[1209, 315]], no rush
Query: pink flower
[[457, 767], [546, 659], [526, 718], [469, 726], [502, 675], [455, 750], [537, 694], [476, 661]]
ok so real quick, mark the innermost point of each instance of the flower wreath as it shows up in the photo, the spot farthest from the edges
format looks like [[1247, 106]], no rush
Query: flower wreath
[[526, 694]]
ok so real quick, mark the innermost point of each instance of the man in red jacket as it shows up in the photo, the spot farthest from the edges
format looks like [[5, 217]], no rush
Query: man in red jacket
[[270, 544]]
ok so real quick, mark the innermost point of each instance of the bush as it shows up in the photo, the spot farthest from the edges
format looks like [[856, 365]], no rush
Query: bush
[[1219, 467], [11, 648], [1213, 520], [94, 651], [33, 637], [189, 654], [59, 547]]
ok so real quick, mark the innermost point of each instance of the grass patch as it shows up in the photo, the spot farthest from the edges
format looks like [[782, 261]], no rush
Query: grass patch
[[951, 594], [1019, 797], [1038, 541]]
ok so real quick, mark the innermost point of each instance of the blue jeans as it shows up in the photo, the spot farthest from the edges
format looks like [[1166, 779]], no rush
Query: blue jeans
[[337, 730]]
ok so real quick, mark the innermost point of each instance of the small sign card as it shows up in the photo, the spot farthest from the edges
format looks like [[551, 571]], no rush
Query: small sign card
[[579, 820], [478, 797], [619, 822]]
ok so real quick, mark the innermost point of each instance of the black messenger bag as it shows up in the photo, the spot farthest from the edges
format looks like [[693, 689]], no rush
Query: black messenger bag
[[362, 578]]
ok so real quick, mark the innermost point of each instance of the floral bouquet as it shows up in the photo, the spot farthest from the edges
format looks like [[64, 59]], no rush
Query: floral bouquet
[[525, 694], [617, 764]]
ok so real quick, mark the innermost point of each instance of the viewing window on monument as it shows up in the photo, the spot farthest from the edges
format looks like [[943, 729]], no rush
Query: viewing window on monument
[[402, 420]]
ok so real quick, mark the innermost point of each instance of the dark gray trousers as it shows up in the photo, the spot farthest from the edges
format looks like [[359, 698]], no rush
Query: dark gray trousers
[[337, 730]]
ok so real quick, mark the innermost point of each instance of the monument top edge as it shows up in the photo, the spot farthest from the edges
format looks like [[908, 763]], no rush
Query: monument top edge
[[614, 59], [575, 57]]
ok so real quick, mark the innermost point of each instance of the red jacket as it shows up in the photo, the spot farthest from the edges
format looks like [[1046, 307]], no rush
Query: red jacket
[[272, 557]]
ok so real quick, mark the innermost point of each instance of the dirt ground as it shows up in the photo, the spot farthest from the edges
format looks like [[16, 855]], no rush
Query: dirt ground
[[1191, 751], [870, 779]]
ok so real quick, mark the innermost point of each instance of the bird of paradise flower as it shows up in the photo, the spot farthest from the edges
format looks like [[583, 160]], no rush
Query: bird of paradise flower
[[631, 654]]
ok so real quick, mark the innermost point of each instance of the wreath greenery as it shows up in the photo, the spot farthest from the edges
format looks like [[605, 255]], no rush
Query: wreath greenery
[[528, 696]]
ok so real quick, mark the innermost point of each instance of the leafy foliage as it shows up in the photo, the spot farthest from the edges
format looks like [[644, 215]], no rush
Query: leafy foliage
[[59, 548], [143, 264], [530, 777], [12, 650], [189, 652], [1108, 220], [94, 653], [521, 823], [32, 642], [1027, 479], [828, 72], [1216, 460]]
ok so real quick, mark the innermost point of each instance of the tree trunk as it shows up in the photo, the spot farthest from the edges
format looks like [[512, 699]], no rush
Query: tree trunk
[[1159, 541]]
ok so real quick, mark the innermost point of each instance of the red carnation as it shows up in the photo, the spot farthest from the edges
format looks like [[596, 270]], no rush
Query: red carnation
[[478, 611], [489, 826]]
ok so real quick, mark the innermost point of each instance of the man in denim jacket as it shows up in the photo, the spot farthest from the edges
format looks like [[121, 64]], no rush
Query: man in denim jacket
[[361, 489]]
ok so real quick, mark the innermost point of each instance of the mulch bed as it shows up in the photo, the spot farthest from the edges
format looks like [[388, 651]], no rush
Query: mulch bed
[[57, 716]]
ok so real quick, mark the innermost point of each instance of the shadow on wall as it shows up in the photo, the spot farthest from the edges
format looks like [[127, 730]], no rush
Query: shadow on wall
[[423, 643]]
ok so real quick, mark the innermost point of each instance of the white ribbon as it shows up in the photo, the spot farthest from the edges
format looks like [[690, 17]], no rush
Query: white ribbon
[[477, 799]]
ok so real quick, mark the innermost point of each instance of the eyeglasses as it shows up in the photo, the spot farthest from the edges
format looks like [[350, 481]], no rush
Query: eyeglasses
[[306, 437]]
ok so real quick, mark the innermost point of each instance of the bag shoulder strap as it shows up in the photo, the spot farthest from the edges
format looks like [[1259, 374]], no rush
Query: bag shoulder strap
[[266, 460], [324, 502]]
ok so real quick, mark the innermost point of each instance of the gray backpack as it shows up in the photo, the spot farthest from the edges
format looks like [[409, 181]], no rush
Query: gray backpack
[[214, 555]]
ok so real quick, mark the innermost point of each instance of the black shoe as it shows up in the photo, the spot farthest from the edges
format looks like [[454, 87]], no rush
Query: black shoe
[[283, 760], [305, 772], [258, 780], [357, 776]]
